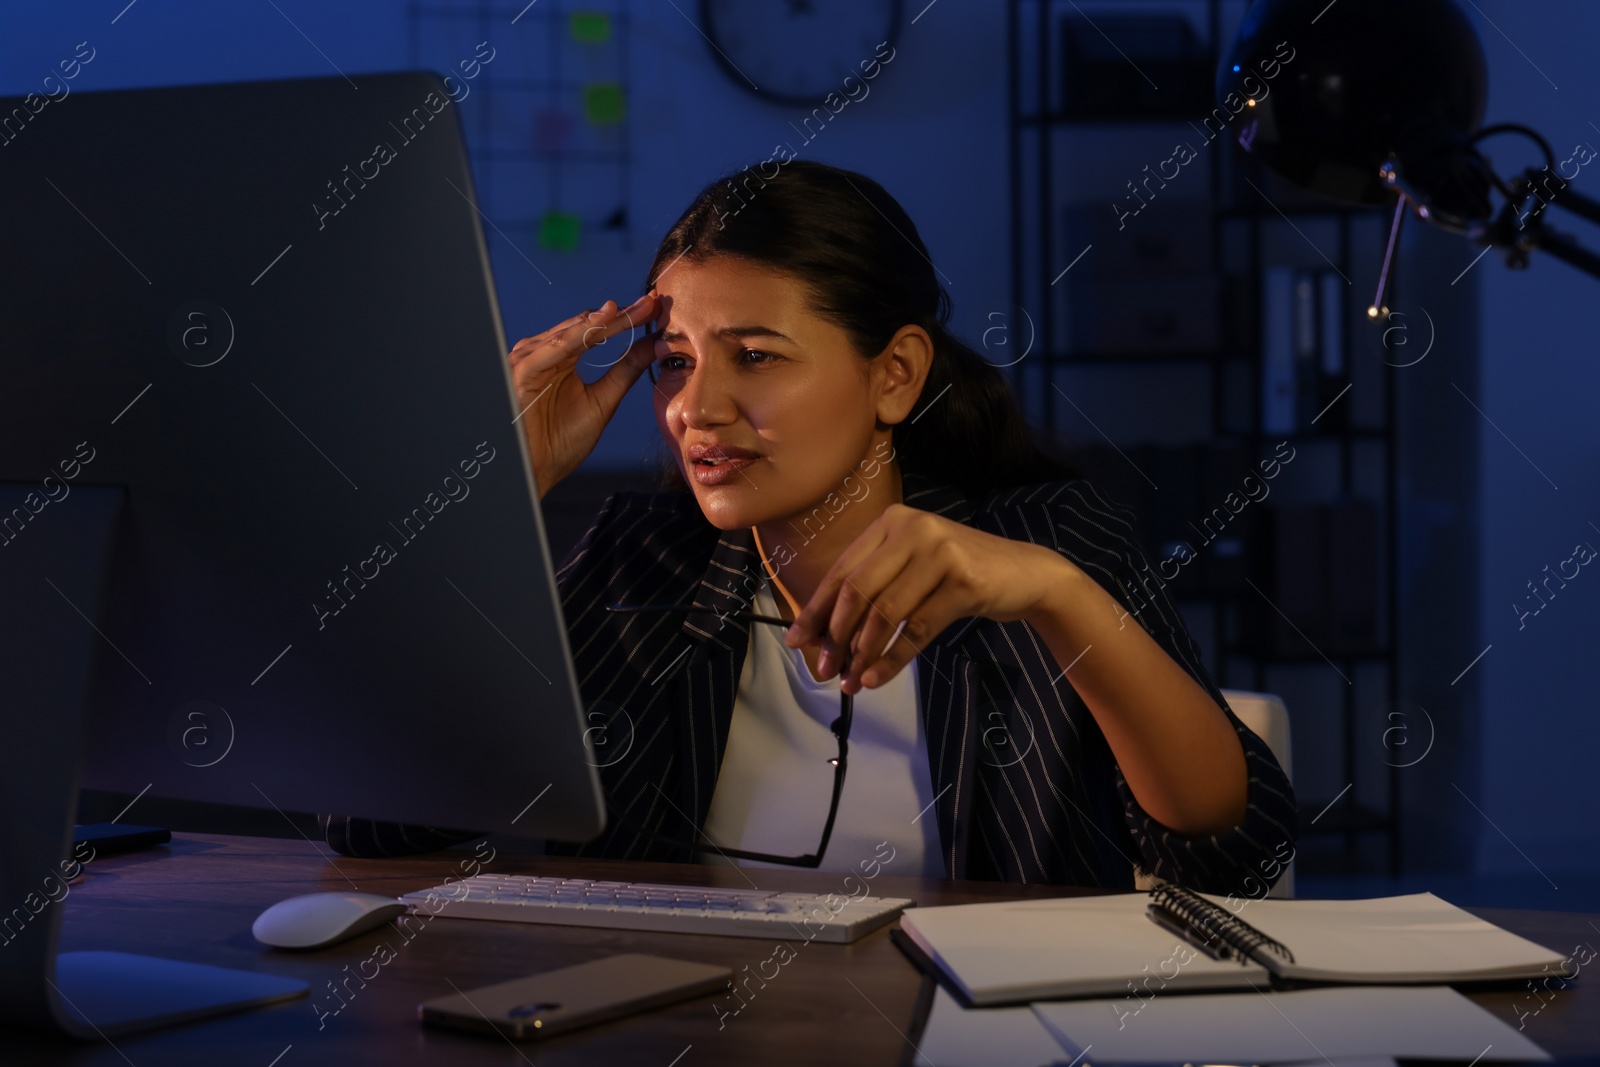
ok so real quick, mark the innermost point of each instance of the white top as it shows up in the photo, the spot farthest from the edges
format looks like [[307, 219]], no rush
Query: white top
[[775, 783]]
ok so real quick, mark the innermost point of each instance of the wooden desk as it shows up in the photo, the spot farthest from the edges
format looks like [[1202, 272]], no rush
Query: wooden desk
[[832, 1004]]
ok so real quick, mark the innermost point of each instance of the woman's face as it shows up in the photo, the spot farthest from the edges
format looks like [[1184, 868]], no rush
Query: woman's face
[[744, 365]]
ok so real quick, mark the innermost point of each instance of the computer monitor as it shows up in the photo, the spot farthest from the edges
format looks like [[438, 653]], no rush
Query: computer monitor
[[269, 533]]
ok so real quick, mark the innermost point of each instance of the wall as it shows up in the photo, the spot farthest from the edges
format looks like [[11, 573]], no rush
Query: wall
[[1539, 473], [930, 130]]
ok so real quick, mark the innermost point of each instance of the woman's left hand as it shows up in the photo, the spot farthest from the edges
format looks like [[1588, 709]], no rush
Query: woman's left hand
[[927, 570]]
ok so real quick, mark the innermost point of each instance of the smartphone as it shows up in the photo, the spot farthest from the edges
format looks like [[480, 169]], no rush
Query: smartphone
[[108, 838], [573, 997]]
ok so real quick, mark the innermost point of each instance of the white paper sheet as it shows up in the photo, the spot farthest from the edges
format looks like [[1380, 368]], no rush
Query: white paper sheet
[[984, 1037], [1420, 1022]]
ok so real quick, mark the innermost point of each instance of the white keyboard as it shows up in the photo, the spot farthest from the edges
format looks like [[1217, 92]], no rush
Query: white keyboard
[[684, 909]]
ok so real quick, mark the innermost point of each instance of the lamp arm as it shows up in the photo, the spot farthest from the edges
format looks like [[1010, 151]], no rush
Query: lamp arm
[[1563, 193], [1566, 248], [1520, 232], [1514, 229]]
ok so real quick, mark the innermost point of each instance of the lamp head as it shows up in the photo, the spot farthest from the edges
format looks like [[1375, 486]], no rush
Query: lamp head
[[1370, 80]]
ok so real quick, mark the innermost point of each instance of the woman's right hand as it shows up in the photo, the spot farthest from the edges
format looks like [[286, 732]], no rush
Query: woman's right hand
[[561, 415]]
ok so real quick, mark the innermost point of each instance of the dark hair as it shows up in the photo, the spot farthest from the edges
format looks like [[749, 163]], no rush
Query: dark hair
[[866, 270]]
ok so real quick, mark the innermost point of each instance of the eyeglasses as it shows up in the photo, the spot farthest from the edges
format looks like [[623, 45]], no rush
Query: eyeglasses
[[841, 730], [650, 369]]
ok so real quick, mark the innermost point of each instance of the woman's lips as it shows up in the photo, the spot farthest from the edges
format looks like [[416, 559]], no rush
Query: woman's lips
[[707, 473], [713, 463], [719, 451]]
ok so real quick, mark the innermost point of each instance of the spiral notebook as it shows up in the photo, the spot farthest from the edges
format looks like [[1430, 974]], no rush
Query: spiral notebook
[[1175, 939]]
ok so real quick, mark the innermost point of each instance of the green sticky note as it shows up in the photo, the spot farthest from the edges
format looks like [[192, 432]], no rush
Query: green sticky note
[[558, 230], [602, 103], [590, 27]]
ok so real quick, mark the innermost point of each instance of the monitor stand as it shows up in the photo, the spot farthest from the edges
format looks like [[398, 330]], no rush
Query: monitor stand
[[55, 560]]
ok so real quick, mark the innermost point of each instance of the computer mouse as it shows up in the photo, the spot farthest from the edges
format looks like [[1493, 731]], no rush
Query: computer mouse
[[317, 920]]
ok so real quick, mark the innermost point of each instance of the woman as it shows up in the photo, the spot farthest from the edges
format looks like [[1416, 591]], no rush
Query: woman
[[840, 460]]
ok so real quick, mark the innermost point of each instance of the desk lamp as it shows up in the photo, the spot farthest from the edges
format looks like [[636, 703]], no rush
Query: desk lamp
[[1381, 101]]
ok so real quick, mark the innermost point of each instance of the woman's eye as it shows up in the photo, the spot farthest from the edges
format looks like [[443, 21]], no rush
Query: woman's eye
[[672, 362], [666, 369]]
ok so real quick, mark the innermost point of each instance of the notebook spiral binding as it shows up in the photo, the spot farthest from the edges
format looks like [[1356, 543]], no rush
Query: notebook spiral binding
[[1209, 926]]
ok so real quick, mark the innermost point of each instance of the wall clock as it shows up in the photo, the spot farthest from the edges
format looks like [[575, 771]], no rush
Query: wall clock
[[799, 51]]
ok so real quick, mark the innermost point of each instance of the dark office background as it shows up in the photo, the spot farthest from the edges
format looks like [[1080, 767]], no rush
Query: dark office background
[[588, 137]]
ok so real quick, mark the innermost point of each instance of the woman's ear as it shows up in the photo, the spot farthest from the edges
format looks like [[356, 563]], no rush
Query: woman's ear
[[899, 373]]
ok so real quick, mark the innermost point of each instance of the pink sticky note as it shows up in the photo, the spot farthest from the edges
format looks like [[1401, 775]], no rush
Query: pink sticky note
[[552, 130]]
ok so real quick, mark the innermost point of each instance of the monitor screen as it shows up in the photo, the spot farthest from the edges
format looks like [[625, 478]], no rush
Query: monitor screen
[[253, 358]]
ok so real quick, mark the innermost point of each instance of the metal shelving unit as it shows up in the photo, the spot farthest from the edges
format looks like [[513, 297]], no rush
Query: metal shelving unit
[[1036, 259]]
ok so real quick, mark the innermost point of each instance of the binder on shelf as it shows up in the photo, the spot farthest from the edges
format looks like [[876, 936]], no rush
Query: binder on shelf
[[1302, 350], [1334, 374], [1331, 310], [1277, 352], [1306, 336]]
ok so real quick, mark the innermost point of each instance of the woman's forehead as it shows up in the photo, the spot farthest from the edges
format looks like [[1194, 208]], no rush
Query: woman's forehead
[[700, 279], [735, 303]]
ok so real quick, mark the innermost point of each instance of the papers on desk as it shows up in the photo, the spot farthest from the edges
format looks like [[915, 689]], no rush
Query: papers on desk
[[1423, 1022], [984, 1037], [1348, 1026], [1016, 960]]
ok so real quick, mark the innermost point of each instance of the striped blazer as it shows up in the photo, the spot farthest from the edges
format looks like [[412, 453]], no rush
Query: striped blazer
[[1026, 786]]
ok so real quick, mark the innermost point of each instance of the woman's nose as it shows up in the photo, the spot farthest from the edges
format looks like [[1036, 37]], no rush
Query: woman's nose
[[704, 400]]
